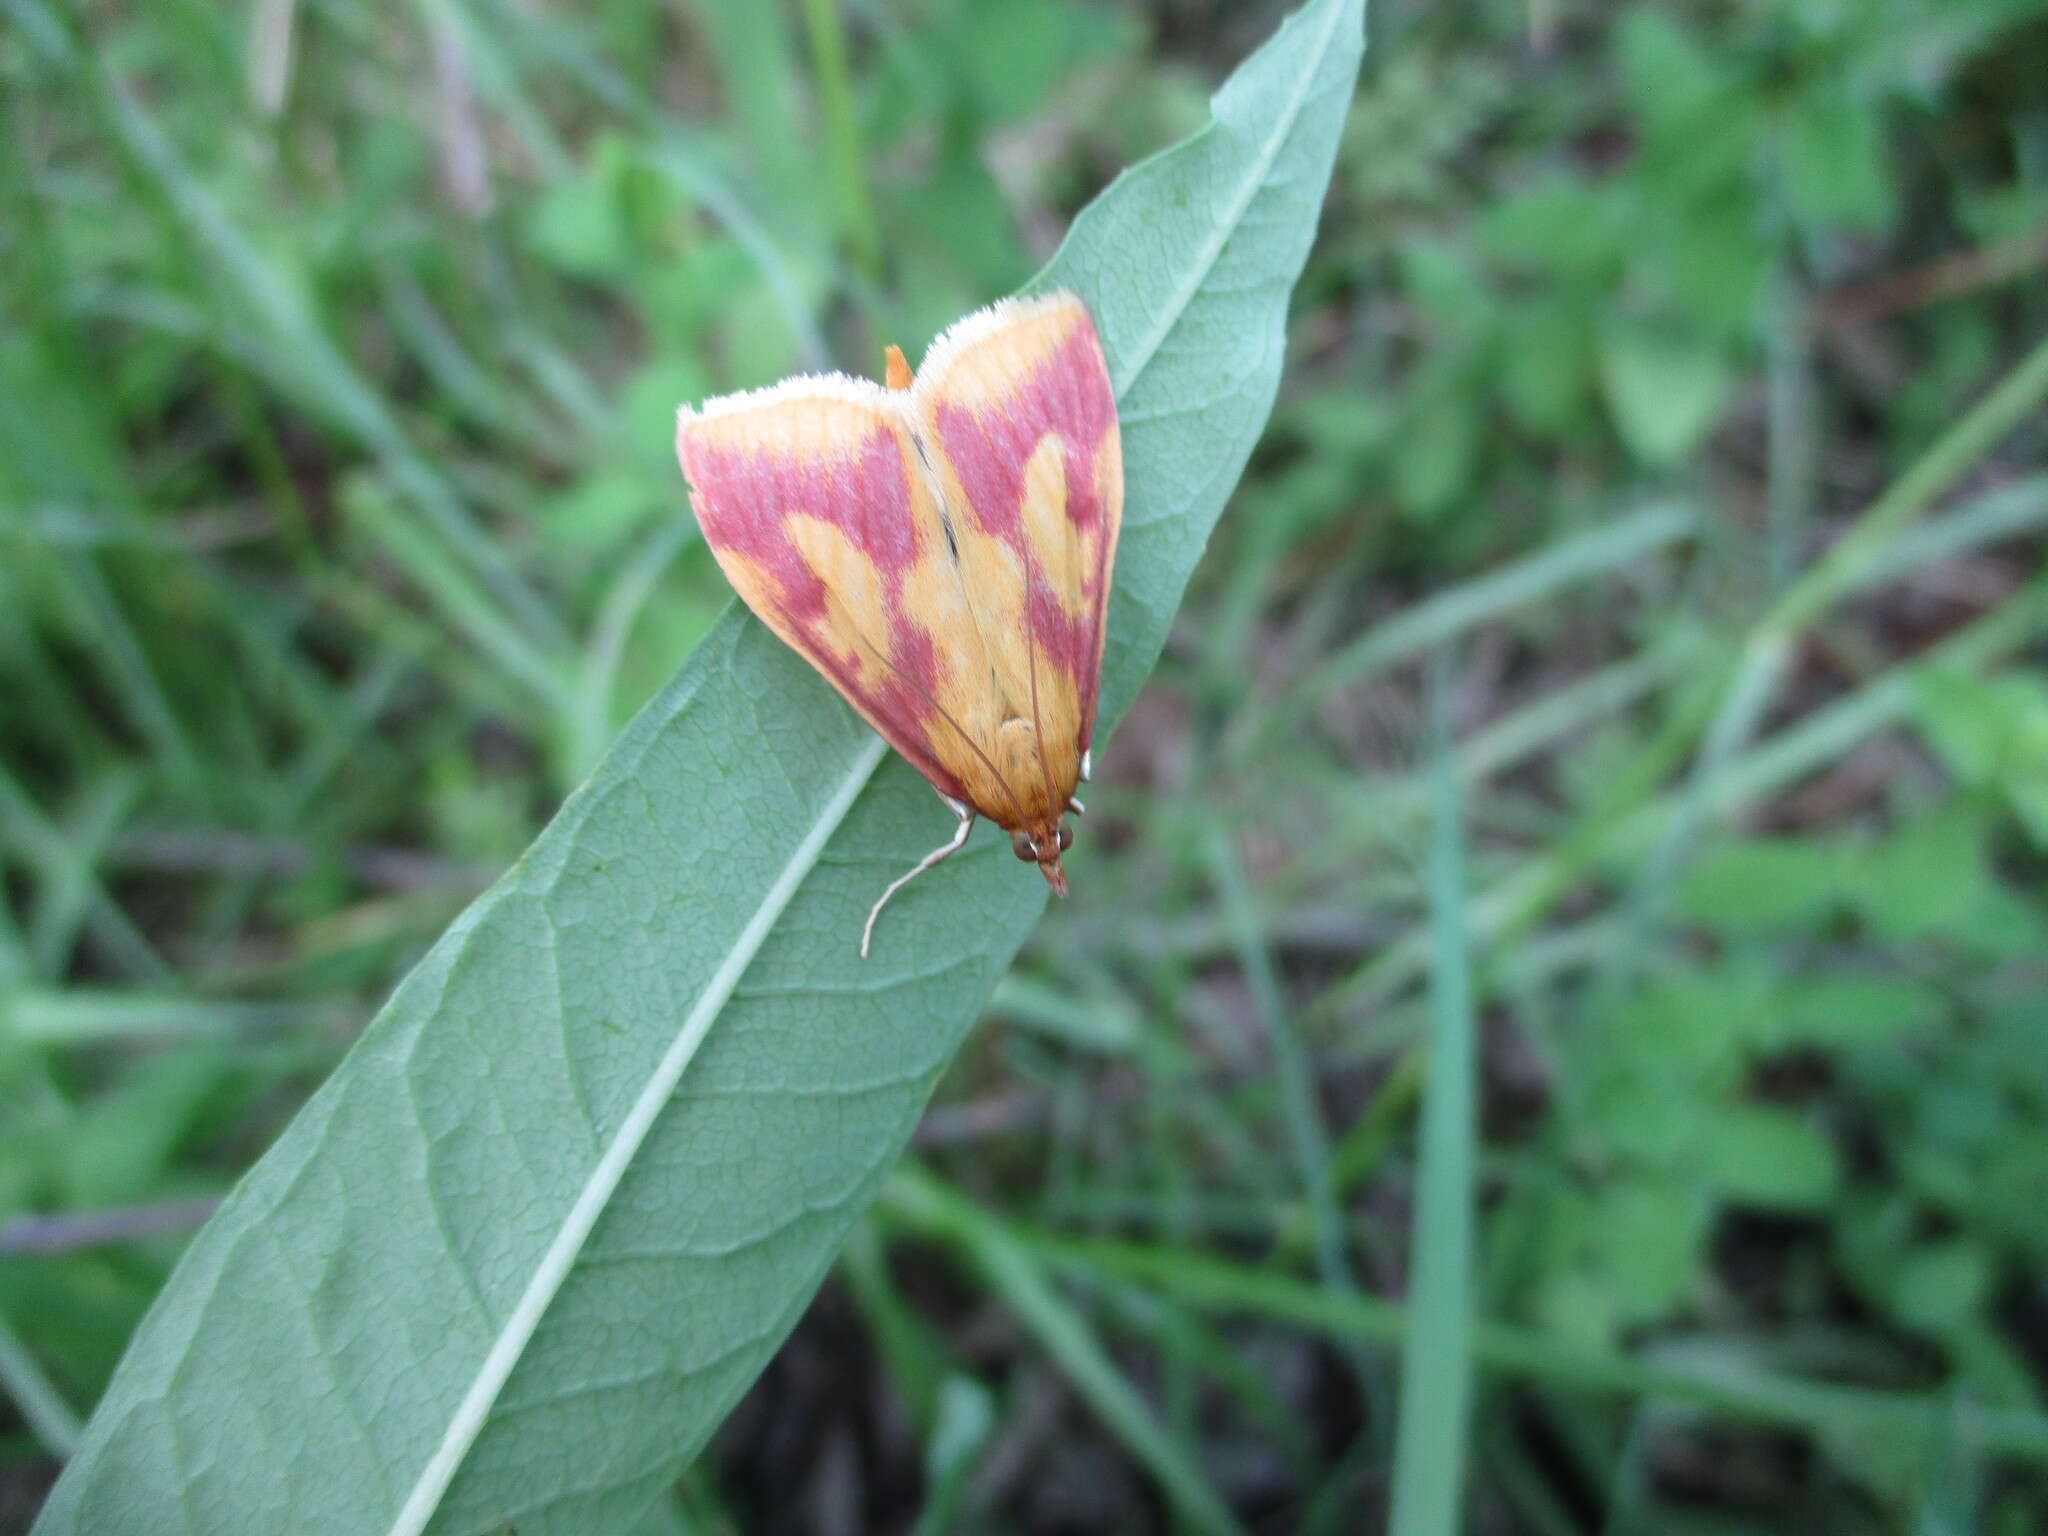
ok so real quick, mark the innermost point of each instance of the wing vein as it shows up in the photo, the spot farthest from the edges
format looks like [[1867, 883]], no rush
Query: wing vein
[[946, 715], [1031, 666]]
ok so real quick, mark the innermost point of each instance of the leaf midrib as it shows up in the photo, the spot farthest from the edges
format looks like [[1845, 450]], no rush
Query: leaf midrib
[[556, 1264], [1212, 251]]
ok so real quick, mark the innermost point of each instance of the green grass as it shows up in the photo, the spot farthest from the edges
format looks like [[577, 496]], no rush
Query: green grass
[[1436, 1359], [1483, 1120]]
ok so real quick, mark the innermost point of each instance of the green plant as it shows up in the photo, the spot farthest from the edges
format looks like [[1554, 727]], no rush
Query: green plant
[[1662, 401], [601, 1146]]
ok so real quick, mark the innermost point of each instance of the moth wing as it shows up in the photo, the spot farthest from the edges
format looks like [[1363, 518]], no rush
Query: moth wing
[[1015, 407], [815, 503]]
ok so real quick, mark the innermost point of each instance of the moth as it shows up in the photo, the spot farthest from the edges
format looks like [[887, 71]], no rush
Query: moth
[[940, 547]]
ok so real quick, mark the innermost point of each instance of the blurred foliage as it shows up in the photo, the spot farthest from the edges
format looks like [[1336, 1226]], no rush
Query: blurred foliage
[[339, 530]]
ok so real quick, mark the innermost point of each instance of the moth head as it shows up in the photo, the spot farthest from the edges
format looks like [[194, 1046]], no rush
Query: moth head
[[1043, 846]]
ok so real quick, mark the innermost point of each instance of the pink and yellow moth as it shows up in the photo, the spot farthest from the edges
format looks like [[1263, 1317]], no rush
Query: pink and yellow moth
[[941, 549]]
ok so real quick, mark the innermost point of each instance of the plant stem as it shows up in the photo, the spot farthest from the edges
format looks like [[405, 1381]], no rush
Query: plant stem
[[1436, 1355]]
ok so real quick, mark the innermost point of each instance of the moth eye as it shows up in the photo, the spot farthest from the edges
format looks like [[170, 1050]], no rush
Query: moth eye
[[1025, 849], [1066, 837]]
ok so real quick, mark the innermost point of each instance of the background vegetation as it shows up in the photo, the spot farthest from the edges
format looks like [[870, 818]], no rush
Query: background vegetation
[[1672, 375]]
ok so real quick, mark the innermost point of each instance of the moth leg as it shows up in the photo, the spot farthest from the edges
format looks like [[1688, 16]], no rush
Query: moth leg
[[966, 815], [1074, 804], [1087, 764]]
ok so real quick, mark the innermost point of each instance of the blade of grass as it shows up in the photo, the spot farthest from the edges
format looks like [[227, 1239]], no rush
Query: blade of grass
[[1761, 661], [44, 692], [467, 384], [1517, 899], [1170, 1213], [1828, 732], [590, 718], [1408, 634], [1357, 1157], [338, 735], [271, 34], [74, 1016], [842, 135], [68, 873], [1852, 558], [1103, 1023], [2005, 513], [923, 1204], [1741, 689], [1849, 562], [1183, 1336], [1792, 467], [1307, 1136], [965, 1418], [911, 1349], [42, 1406], [454, 593], [1861, 556], [1213, 1284], [303, 357], [496, 77], [14, 963], [1742, 708], [1369, 820], [1436, 1369], [127, 663], [758, 70], [428, 643], [70, 1231], [674, 152], [677, 161]]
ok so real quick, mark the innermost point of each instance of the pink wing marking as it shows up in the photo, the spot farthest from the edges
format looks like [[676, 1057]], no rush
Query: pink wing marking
[[744, 497], [1068, 392]]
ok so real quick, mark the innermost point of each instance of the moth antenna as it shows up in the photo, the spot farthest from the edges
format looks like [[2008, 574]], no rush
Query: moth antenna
[[966, 815], [895, 368]]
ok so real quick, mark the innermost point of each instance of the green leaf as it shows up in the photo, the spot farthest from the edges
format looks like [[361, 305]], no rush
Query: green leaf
[[1566, 228], [1546, 366], [1648, 1234], [1938, 1287], [1440, 452], [118, 1149], [1669, 79], [1844, 1009], [520, 1254], [579, 225], [1992, 731], [1756, 1154], [602, 512], [1664, 389], [1836, 167], [1932, 878], [1762, 884]]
